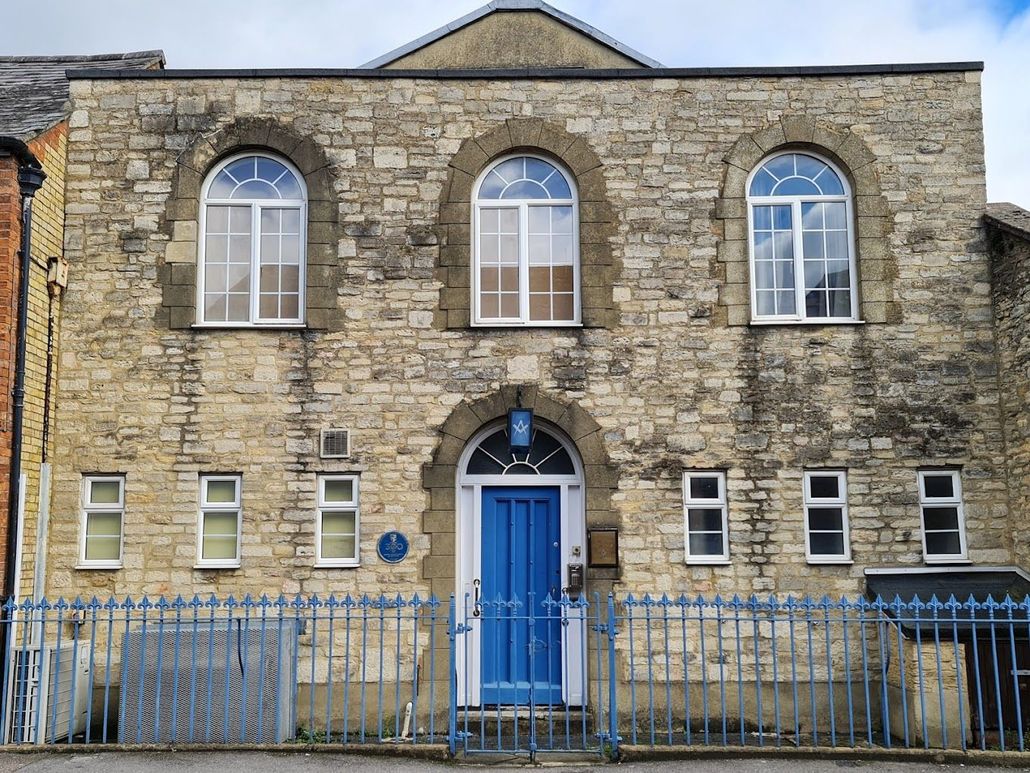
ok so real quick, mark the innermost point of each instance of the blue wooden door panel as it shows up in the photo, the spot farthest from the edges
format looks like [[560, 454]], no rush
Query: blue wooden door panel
[[521, 568]]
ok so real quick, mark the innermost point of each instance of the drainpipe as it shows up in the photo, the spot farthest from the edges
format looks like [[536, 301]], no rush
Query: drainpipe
[[30, 178]]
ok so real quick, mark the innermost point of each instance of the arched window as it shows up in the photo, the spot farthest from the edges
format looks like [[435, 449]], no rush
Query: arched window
[[526, 247], [253, 218], [801, 241]]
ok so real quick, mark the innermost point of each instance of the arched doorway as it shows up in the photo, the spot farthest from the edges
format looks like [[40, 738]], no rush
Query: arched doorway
[[520, 525]]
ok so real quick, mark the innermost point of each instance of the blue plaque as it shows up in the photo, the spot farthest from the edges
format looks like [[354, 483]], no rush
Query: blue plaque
[[392, 547], [520, 429]]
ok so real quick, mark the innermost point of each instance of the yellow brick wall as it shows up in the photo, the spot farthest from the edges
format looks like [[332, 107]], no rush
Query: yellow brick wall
[[47, 241]]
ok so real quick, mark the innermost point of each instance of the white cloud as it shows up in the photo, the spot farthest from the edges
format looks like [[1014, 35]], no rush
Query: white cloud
[[345, 33]]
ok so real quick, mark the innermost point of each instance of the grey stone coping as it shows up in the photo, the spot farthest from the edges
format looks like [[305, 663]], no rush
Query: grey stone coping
[[538, 73]]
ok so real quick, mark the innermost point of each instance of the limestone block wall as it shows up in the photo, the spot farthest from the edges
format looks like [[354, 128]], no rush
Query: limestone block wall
[[1011, 258], [669, 383]]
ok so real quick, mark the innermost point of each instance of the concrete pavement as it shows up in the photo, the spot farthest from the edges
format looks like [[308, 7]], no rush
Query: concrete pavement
[[300, 762]]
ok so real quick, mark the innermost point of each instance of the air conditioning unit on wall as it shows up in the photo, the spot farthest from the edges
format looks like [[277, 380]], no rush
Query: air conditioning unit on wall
[[49, 693], [249, 669]]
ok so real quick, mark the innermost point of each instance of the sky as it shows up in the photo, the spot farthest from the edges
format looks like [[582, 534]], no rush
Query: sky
[[678, 33]]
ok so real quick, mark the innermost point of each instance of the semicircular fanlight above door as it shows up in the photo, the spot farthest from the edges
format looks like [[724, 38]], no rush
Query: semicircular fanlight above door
[[546, 456]]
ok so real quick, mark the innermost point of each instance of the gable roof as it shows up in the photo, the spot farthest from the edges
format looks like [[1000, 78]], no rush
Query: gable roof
[[512, 5], [1009, 217], [34, 89]]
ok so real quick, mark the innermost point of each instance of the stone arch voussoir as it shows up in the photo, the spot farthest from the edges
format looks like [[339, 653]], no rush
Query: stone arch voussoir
[[465, 420], [846, 148], [596, 216], [179, 271]]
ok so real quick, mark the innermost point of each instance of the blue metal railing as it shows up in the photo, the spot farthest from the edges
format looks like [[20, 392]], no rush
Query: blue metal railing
[[520, 676]]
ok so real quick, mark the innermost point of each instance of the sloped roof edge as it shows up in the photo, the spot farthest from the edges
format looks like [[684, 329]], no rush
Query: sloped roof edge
[[1009, 217], [34, 89], [511, 5]]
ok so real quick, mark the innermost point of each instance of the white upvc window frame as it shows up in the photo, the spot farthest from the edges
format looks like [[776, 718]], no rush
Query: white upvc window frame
[[219, 507], [953, 501], [800, 317], [256, 205], [707, 504], [352, 506], [88, 508], [523, 206], [841, 502]]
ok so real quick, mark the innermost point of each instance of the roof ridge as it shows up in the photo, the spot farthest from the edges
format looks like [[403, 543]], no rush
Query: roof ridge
[[512, 5], [155, 53]]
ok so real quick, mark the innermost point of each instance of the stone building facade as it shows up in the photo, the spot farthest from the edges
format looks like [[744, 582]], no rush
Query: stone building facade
[[664, 375]]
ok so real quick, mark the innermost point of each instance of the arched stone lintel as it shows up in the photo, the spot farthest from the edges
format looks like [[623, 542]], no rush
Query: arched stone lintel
[[179, 273], [596, 216], [465, 420], [847, 149]]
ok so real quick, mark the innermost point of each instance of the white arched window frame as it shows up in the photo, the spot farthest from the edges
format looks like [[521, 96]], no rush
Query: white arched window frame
[[799, 244], [522, 273], [253, 244]]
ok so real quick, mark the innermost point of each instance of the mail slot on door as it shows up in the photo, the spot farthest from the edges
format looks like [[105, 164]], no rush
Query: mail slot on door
[[575, 586]]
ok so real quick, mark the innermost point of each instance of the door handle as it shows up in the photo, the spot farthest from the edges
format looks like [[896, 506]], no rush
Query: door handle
[[476, 606]]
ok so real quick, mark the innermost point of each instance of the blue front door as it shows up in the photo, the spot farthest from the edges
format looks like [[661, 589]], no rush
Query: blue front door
[[521, 561]]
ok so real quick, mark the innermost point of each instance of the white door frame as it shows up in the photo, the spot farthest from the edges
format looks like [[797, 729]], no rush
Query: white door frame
[[468, 543]]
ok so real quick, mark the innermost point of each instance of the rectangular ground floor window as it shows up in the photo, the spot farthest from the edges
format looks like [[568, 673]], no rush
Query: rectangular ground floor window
[[705, 517], [103, 512], [944, 525], [218, 545], [337, 529], [826, 517]]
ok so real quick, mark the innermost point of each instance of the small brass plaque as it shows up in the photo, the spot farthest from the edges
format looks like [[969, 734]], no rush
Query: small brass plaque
[[603, 548]]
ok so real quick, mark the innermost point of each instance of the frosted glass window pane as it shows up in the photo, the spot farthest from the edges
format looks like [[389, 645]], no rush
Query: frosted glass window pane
[[220, 524], [289, 306], [291, 221], [219, 548], [509, 305], [539, 306], [239, 249], [238, 308], [238, 278], [338, 490], [105, 492], [271, 220], [338, 523], [218, 220], [269, 306], [561, 278], [489, 305], [103, 548], [508, 221], [104, 525], [214, 308], [564, 307], [216, 249], [239, 220], [221, 491], [338, 547]]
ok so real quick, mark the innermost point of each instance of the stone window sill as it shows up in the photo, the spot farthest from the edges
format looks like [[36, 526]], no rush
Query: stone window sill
[[334, 565], [804, 322], [246, 326], [208, 567], [107, 566]]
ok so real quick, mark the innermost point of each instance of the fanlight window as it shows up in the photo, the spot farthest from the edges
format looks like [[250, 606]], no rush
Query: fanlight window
[[252, 255], [526, 245], [547, 456], [802, 244]]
